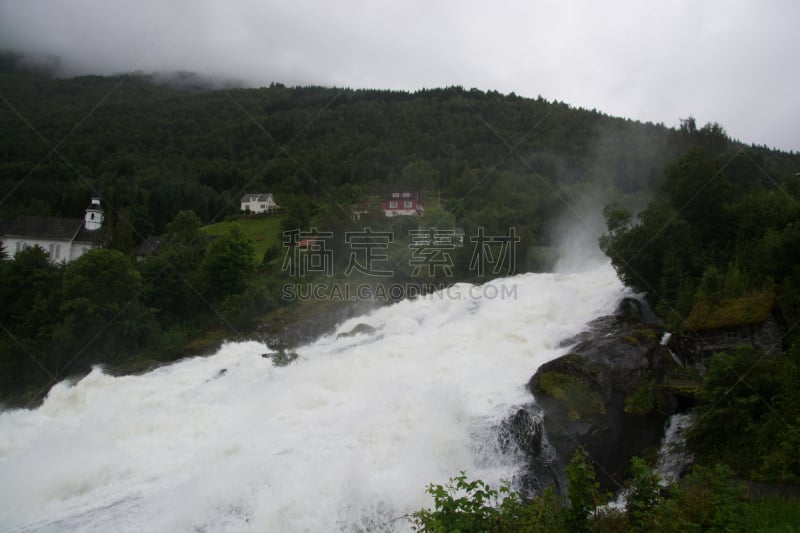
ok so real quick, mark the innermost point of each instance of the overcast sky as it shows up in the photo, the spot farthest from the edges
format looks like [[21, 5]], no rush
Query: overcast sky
[[733, 62]]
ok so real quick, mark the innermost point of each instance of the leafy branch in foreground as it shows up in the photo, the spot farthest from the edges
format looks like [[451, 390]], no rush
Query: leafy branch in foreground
[[473, 506], [708, 499]]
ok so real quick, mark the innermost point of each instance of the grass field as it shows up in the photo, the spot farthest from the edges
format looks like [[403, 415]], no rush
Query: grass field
[[264, 231]]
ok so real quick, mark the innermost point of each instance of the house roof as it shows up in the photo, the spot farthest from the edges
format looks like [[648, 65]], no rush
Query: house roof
[[412, 194], [88, 235], [42, 227], [257, 197], [735, 312]]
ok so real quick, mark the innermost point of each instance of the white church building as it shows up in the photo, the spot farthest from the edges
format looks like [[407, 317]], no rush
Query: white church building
[[64, 239]]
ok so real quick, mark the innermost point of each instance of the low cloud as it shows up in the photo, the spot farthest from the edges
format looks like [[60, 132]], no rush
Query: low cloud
[[715, 60]]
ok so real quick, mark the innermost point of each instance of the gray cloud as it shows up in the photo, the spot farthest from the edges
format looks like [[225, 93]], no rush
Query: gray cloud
[[730, 62]]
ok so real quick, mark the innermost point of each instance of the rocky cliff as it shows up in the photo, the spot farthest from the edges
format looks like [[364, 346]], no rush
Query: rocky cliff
[[610, 394]]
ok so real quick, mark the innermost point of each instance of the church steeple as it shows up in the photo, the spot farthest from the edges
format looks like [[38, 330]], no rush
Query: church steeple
[[94, 215]]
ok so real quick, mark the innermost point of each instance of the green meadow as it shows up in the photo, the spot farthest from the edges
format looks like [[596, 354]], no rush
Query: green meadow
[[263, 231]]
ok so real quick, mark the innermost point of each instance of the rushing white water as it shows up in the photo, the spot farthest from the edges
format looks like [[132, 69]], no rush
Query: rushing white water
[[674, 457], [346, 438]]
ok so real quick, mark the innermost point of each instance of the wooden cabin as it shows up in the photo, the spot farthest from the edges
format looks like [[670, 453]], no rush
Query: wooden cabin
[[754, 320]]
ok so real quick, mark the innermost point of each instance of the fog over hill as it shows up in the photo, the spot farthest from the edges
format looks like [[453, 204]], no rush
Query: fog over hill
[[717, 61]]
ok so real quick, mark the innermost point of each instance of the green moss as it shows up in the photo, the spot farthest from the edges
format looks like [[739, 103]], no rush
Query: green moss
[[647, 334], [745, 311], [630, 339], [645, 399], [578, 397]]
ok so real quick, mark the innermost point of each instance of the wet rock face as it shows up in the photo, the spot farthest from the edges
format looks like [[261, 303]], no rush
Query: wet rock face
[[605, 394], [523, 433], [523, 430]]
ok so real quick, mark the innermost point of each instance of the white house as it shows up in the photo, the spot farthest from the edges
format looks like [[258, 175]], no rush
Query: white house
[[259, 203], [65, 239]]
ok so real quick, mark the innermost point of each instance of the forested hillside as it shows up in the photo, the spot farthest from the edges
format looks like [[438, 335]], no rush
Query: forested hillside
[[153, 150], [168, 161]]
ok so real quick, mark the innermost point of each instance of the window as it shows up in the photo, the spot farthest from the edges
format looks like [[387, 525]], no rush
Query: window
[[393, 204], [406, 195], [55, 251], [408, 204], [395, 195]]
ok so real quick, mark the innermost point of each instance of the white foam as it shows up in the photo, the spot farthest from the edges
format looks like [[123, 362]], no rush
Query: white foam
[[347, 437]]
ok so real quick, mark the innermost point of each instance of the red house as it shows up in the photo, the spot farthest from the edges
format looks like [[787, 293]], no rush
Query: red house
[[402, 204]]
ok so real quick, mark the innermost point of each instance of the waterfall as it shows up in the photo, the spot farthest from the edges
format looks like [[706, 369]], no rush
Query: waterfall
[[345, 438], [673, 457]]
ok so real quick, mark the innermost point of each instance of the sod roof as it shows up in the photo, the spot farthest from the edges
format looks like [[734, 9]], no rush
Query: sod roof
[[735, 312]]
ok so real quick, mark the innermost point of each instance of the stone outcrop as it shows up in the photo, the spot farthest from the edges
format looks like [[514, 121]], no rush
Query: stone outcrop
[[607, 394]]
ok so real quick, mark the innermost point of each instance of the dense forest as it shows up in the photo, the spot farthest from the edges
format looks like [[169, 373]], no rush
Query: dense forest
[[692, 218]]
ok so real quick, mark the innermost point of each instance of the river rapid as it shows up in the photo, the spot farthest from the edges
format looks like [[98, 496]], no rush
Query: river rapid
[[346, 438]]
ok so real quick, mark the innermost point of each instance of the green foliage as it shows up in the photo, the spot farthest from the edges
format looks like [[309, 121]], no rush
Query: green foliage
[[643, 497], [648, 397], [473, 506], [30, 292], [101, 308], [708, 499], [712, 500], [102, 316], [659, 246], [227, 266], [720, 229], [582, 491], [747, 416], [466, 506]]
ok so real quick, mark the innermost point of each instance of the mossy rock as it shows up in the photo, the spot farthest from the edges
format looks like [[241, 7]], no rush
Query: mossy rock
[[579, 399], [647, 334], [630, 339], [645, 399], [684, 387]]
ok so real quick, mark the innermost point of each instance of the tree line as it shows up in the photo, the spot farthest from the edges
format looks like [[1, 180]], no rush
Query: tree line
[[107, 308]]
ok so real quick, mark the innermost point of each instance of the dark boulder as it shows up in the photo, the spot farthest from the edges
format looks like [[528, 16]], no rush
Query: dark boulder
[[523, 430], [607, 395], [522, 434]]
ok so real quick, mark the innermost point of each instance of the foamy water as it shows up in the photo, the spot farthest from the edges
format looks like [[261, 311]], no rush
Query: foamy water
[[344, 439]]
